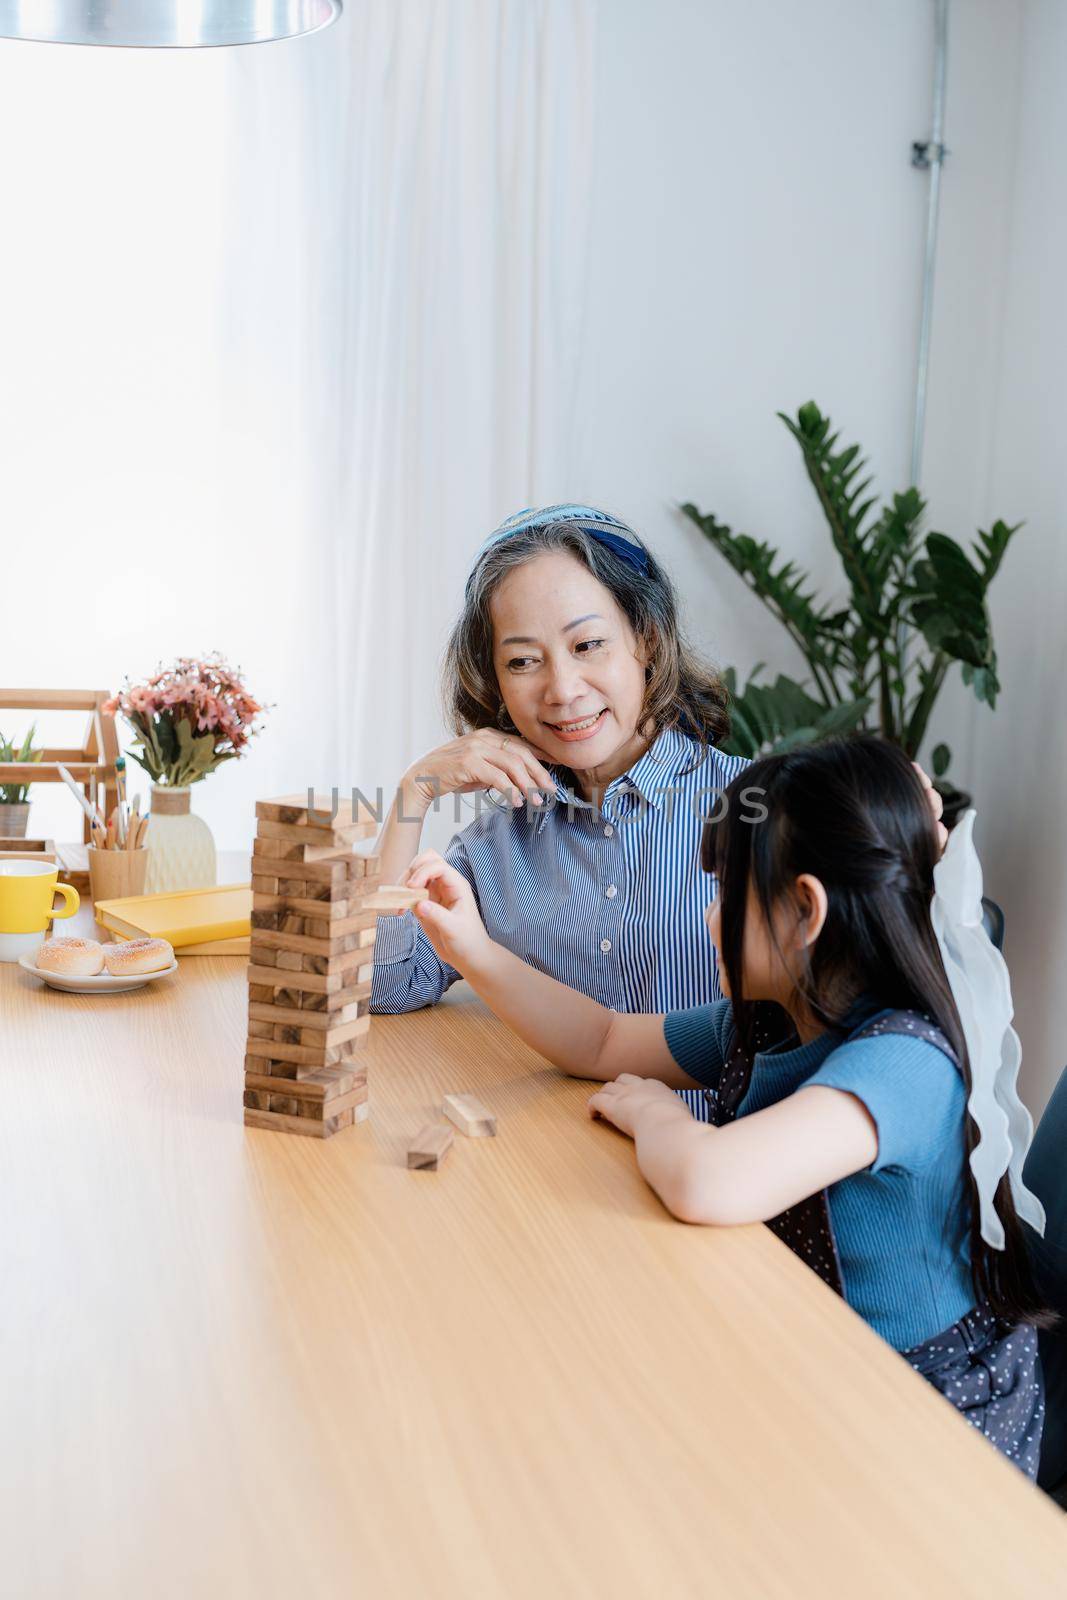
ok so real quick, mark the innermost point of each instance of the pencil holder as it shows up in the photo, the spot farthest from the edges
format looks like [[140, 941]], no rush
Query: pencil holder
[[116, 873]]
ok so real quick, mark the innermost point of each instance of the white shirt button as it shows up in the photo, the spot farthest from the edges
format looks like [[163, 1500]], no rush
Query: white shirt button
[[608, 831], [611, 891], [605, 945]]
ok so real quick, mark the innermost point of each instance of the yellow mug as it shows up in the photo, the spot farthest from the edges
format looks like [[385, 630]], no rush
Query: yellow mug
[[27, 890]]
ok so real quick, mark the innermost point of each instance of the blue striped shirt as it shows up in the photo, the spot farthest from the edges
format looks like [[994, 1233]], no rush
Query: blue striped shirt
[[609, 902]]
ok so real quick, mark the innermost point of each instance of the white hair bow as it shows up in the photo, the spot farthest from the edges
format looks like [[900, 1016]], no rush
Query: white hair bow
[[981, 989]]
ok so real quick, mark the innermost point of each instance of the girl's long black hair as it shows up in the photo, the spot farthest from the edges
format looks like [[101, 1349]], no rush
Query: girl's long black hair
[[853, 813]]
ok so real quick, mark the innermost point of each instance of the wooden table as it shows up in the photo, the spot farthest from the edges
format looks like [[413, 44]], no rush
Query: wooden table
[[240, 1363]]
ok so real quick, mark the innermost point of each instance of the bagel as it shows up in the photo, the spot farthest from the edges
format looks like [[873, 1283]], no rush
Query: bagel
[[138, 955], [74, 958]]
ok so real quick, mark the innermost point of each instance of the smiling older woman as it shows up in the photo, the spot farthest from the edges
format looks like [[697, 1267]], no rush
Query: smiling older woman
[[577, 701]]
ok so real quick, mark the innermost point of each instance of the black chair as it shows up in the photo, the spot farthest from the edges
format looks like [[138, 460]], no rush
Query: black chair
[[993, 921], [1045, 1172]]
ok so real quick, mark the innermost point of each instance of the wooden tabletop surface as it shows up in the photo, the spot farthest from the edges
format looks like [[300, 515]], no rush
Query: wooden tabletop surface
[[241, 1363]]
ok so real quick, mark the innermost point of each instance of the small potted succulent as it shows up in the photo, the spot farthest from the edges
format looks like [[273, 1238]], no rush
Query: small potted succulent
[[14, 797], [187, 720]]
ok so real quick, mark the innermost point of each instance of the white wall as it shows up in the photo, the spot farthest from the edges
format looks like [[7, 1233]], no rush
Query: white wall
[[758, 233], [996, 443]]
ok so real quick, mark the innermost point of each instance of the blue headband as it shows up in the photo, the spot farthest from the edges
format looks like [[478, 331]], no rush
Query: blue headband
[[599, 525]]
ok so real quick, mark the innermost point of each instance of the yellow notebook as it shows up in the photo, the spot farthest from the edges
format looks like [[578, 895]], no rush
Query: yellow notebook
[[187, 917]]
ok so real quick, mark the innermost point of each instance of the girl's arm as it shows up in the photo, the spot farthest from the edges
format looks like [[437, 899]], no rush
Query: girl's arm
[[570, 1030], [753, 1168]]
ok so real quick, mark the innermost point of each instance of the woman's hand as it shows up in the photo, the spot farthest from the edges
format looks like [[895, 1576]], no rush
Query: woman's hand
[[449, 915], [629, 1101], [484, 759]]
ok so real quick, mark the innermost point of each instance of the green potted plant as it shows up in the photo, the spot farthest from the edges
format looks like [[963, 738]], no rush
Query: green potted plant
[[916, 606], [14, 797]]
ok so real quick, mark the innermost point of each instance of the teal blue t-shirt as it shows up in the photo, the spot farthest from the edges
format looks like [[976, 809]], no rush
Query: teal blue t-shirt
[[901, 1225]]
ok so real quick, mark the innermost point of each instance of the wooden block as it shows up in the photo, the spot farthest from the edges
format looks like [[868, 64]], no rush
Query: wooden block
[[266, 972], [392, 899], [285, 1103], [332, 873], [318, 1054], [324, 1109], [260, 1030], [352, 964], [263, 885], [309, 1017], [268, 939], [470, 1116], [318, 844], [430, 1146], [317, 991], [285, 960], [310, 1126], [323, 811], [354, 1028], [258, 1099], [259, 1067], [324, 906], [323, 1087]]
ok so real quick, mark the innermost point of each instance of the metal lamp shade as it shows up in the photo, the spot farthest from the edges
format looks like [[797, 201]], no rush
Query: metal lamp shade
[[188, 24]]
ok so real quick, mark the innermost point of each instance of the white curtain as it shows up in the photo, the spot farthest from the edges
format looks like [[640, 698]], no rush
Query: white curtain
[[287, 330], [420, 189]]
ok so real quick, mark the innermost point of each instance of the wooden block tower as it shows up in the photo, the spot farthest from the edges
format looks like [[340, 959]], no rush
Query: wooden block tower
[[309, 976]]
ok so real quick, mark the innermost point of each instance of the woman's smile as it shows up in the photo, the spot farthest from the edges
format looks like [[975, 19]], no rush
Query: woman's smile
[[582, 728]]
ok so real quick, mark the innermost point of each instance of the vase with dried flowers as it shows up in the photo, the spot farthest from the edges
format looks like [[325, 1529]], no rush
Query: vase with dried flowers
[[187, 720]]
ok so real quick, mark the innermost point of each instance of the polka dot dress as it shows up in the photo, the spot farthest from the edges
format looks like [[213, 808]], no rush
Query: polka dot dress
[[992, 1375], [989, 1371]]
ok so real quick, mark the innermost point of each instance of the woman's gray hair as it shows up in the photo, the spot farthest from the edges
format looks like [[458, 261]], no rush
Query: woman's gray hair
[[681, 690]]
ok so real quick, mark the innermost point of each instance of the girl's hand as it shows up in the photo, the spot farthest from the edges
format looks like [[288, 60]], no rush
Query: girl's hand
[[629, 1100], [484, 759], [449, 915]]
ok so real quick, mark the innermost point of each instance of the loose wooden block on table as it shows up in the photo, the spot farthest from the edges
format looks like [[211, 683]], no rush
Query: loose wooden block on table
[[470, 1116], [430, 1146]]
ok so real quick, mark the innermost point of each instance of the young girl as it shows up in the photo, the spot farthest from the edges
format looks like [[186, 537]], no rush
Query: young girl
[[838, 1071]]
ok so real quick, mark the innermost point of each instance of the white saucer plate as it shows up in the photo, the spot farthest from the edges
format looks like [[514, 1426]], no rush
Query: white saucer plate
[[103, 983]]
